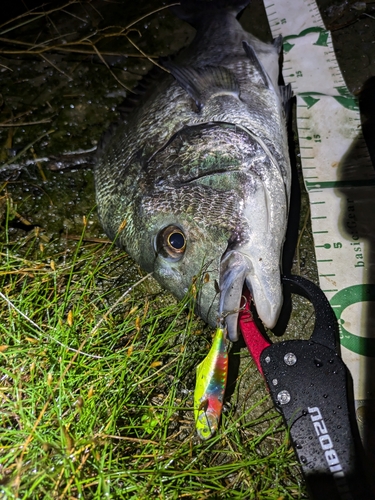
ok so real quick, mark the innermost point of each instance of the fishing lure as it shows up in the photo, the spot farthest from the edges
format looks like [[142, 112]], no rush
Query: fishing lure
[[210, 386]]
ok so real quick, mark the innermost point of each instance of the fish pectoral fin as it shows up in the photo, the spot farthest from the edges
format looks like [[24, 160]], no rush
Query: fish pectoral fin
[[202, 83], [251, 54], [286, 96], [278, 43]]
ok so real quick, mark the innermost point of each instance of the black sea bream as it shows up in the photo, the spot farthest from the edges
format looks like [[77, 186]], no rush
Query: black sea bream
[[195, 180]]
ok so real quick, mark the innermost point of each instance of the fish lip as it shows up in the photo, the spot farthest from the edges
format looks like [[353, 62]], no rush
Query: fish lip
[[237, 271], [233, 271]]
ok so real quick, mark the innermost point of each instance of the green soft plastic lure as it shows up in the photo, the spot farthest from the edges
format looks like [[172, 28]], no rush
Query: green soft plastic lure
[[210, 386]]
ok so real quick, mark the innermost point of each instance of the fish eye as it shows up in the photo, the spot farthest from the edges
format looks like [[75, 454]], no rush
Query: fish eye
[[171, 242]]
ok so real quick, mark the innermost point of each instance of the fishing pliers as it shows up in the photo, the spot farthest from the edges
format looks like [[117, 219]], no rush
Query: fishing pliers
[[312, 389]]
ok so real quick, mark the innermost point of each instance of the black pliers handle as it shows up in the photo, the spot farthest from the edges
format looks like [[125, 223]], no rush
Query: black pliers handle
[[311, 387]]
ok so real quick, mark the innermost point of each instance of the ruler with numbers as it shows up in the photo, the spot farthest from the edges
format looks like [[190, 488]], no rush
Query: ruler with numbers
[[339, 178]]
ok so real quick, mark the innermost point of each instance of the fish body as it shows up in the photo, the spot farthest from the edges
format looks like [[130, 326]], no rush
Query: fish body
[[195, 179], [210, 386]]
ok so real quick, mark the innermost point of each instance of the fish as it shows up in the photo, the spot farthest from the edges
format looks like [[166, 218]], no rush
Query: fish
[[193, 181], [210, 386]]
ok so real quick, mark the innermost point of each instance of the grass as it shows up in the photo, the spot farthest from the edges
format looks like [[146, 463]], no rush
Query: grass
[[97, 364], [97, 380]]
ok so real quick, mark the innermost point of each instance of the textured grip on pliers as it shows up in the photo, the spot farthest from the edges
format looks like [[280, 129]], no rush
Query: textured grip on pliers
[[307, 382]]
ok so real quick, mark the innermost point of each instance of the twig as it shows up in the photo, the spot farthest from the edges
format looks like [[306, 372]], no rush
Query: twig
[[19, 115], [6, 165], [74, 15], [6, 67], [84, 41], [68, 47], [45, 42], [145, 55], [33, 15], [150, 14], [109, 69], [25, 124], [20, 166], [50, 20], [75, 51], [65, 157], [19, 25], [56, 67]]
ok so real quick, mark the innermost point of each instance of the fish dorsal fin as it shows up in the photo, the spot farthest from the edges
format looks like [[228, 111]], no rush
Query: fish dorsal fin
[[144, 87], [251, 54], [197, 12], [203, 83]]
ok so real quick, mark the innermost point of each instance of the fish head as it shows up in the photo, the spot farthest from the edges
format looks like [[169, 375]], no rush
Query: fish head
[[209, 203], [177, 223], [182, 253]]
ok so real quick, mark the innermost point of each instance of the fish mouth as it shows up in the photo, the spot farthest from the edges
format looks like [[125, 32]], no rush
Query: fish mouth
[[263, 281]]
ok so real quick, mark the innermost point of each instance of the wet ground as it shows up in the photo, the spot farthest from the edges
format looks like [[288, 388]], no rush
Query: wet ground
[[66, 72], [62, 76]]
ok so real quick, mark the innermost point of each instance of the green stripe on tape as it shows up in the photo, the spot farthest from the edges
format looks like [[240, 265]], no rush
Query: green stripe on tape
[[345, 298]]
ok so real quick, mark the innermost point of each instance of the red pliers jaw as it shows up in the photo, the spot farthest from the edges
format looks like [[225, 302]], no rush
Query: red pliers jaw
[[311, 387], [254, 339]]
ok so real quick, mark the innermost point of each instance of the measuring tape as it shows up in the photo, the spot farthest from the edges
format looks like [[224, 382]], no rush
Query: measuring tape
[[339, 178]]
